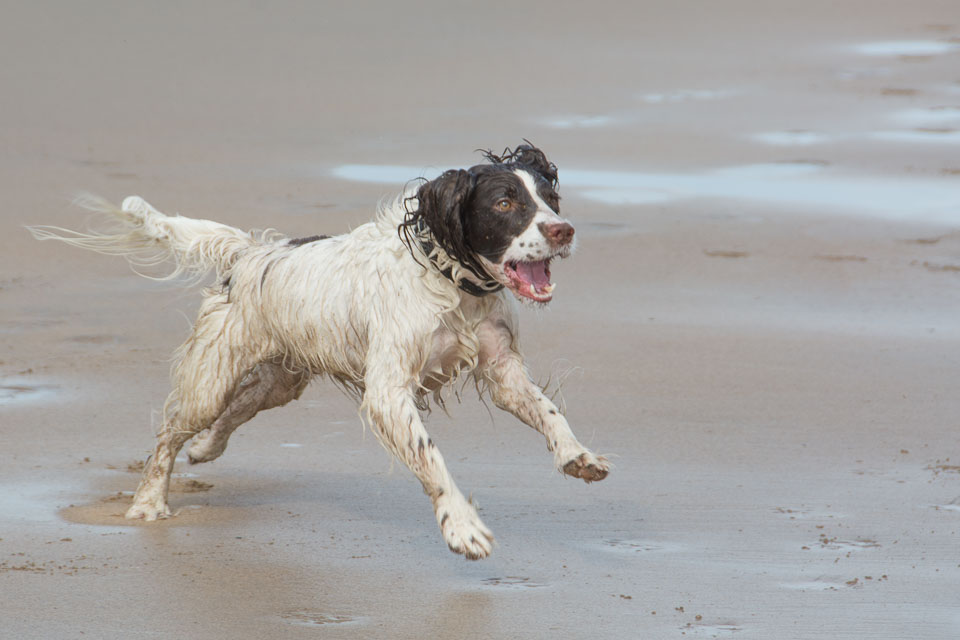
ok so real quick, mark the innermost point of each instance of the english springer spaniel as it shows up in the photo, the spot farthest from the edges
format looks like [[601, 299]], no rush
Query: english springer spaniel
[[393, 312]]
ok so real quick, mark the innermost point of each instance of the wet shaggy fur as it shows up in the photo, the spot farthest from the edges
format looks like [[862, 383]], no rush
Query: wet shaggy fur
[[394, 311]]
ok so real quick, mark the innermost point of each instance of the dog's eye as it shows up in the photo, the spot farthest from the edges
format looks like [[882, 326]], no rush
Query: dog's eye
[[503, 205]]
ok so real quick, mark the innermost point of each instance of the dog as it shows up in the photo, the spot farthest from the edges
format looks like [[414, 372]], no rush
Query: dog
[[394, 312]]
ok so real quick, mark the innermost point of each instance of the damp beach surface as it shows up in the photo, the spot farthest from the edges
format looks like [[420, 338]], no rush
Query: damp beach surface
[[759, 326]]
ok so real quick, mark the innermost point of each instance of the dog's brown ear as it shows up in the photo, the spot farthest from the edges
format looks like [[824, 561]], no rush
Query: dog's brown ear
[[442, 204]]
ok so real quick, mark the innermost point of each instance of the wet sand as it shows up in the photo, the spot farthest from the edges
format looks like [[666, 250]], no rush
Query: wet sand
[[758, 327]]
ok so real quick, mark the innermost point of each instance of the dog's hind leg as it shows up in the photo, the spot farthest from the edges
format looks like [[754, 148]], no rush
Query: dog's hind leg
[[212, 362], [269, 385], [150, 501]]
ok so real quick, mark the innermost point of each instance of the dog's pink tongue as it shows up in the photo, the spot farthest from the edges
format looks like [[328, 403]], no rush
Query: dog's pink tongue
[[534, 272]]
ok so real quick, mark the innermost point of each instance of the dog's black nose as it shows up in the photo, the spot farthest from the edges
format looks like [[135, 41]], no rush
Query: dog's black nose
[[559, 234]]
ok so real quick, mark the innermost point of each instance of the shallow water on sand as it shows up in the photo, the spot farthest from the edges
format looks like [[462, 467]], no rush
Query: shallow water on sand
[[21, 391], [793, 186], [906, 48], [29, 502]]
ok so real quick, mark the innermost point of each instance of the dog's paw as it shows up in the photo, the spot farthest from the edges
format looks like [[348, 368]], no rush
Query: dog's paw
[[587, 467], [463, 530], [148, 512]]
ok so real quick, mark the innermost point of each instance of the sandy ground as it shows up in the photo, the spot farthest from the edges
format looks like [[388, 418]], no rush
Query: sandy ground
[[760, 325]]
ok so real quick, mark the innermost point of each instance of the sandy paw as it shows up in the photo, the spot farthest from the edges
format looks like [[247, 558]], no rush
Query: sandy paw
[[147, 512], [464, 532], [587, 467]]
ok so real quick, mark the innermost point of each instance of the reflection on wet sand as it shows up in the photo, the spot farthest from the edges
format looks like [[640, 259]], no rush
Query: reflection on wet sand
[[20, 391], [797, 186], [906, 48]]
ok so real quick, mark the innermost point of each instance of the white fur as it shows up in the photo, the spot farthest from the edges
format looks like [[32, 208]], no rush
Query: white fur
[[531, 244], [357, 308]]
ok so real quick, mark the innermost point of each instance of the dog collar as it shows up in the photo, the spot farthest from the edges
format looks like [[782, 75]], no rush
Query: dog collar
[[487, 286]]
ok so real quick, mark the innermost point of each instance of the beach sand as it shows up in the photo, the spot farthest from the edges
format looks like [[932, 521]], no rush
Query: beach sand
[[758, 327]]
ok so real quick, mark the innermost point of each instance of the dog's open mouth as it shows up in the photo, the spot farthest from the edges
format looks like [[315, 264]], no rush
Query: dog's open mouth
[[530, 279]]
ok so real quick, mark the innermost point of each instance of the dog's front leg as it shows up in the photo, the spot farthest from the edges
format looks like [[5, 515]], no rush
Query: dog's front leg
[[502, 368], [396, 422]]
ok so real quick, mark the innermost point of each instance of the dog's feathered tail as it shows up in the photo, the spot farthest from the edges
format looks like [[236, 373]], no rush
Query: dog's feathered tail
[[147, 237]]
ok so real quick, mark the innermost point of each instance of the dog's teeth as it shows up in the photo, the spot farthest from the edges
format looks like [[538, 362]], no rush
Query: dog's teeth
[[549, 288], [533, 290]]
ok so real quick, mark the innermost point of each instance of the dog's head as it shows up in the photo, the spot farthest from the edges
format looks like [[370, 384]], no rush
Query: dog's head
[[501, 221]]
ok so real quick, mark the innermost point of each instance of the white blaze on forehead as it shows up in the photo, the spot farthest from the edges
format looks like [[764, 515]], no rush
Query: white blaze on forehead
[[531, 244], [531, 186]]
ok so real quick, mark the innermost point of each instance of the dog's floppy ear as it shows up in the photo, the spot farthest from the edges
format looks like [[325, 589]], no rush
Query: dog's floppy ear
[[442, 205]]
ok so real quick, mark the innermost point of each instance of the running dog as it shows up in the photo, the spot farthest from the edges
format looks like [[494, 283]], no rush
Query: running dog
[[393, 312]]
